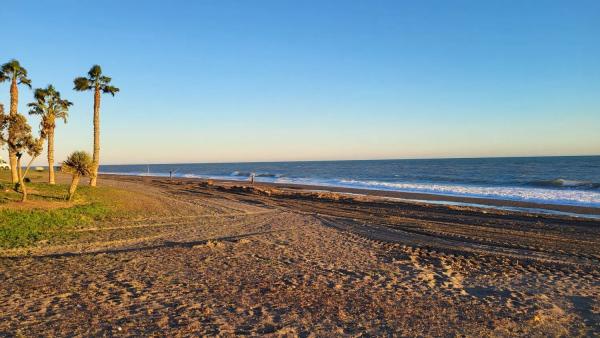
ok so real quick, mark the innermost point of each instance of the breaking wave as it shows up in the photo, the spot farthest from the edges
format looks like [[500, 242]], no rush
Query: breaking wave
[[564, 183], [248, 174], [539, 195]]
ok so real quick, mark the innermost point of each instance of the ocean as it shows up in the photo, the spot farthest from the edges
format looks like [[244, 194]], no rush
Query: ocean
[[568, 180]]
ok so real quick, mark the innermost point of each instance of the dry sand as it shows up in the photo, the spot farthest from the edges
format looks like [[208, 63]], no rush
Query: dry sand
[[251, 261]]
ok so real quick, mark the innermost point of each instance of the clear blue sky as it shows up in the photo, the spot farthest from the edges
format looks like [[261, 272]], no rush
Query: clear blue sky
[[212, 81]]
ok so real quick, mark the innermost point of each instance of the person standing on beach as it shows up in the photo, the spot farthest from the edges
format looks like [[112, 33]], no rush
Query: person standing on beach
[[252, 178]]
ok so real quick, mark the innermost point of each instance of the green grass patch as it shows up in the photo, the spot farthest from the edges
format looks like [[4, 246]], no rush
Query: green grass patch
[[26, 227], [48, 217]]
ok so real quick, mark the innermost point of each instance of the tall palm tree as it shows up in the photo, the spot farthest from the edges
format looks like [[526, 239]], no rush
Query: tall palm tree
[[77, 164], [50, 106], [99, 84], [13, 72]]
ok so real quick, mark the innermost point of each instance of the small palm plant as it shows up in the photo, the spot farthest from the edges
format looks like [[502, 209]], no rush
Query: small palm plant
[[78, 164]]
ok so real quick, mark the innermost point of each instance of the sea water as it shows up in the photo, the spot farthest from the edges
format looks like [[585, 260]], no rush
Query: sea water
[[569, 180]]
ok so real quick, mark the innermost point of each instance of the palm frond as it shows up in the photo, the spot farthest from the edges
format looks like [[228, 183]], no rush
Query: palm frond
[[39, 94], [95, 72], [25, 81], [36, 109], [61, 110], [105, 79], [63, 114], [50, 91], [21, 72], [81, 84], [112, 90]]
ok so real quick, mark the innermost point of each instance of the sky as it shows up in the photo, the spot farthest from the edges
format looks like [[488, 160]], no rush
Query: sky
[[236, 81]]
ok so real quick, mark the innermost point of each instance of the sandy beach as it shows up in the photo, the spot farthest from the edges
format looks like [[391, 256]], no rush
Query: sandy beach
[[225, 259]]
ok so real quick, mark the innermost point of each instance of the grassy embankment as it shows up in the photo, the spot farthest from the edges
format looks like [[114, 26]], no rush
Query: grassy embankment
[[47, 216]]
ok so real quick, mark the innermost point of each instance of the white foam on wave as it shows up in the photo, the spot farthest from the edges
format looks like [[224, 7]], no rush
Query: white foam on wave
[[539, 195], [571, 183]]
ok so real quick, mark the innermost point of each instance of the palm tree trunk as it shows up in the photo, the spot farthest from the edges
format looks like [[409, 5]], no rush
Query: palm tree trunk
[[21, 181], [96, 156], [73, 187], [51, 156], [14, 102]]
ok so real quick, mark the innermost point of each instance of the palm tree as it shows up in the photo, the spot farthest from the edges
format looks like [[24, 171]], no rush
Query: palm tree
[[50, 106], [13, 72], [77, 164], [99, 84]]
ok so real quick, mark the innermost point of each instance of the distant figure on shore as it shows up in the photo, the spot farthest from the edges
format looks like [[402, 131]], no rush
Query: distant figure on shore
[[252, 178], [171, 172]]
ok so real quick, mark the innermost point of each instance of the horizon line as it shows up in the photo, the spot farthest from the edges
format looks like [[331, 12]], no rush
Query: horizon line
[[358, 160]]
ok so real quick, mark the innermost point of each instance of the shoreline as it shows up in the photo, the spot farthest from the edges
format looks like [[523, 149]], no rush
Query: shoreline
[[410, 197]]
